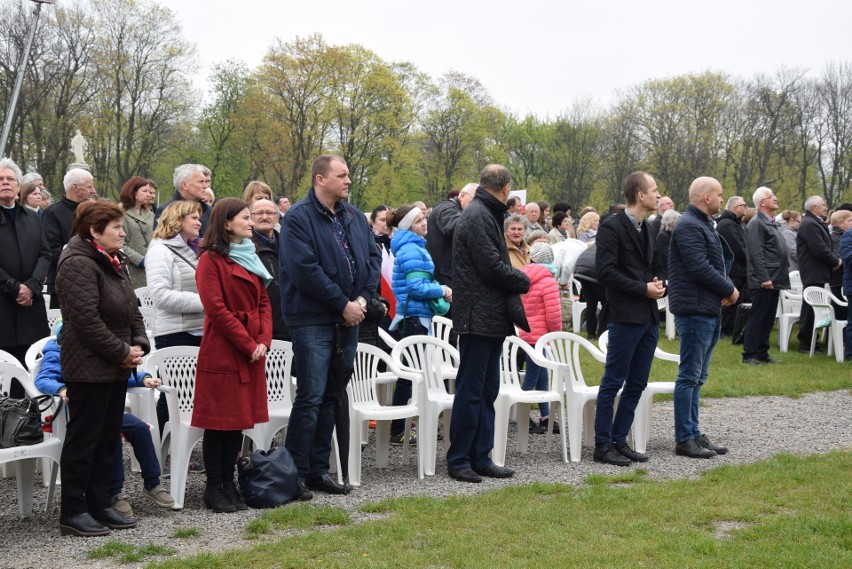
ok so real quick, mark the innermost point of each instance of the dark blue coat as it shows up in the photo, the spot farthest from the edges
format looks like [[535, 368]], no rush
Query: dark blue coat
[[698, 276], [315, 283], [846, 255]]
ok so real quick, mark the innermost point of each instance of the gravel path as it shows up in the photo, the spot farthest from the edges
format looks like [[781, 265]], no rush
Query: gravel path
[[754, 428]]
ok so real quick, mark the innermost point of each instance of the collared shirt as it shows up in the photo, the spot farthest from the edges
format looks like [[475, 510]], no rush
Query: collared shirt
[[339, 231], [637, 223]]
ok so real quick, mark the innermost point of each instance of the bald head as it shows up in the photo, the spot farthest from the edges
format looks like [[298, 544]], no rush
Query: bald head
[[705, 193]]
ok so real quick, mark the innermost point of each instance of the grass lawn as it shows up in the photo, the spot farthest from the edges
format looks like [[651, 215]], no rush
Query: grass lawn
[[786, 512]]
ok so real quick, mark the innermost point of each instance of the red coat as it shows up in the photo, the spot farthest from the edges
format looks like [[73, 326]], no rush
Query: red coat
[[541, 303], [230, 391]]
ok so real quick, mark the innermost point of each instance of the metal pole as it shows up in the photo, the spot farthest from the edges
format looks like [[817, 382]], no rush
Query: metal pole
[[13, 102]]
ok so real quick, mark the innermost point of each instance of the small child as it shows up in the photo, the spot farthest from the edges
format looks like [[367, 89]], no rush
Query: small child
[[137, 432], [544, 313]]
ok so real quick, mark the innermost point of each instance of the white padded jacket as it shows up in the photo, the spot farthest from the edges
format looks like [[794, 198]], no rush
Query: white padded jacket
[[171, 284]]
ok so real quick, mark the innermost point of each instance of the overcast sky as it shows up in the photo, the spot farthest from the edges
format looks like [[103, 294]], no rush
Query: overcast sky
[[539, 56]]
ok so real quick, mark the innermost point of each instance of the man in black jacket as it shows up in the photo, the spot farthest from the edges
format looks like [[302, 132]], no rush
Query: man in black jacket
[[816, 261], [441, 228], [57, 220], [625, 262], [483, 280], [24, 260], [730, 228], [190, 180]]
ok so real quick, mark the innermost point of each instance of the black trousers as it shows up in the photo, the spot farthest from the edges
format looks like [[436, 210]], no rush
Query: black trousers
[[729, 313], [806, 320], [592, 294], [764, 303], [94, 429]]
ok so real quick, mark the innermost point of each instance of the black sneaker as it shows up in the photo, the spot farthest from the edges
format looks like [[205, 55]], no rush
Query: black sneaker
[[536, 428], [628, 452], [607, 454], [705, 442], [398, 440], [693, 450], [544, 422]]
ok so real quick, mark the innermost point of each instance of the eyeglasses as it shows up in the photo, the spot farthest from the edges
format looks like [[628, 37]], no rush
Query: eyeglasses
[[265, 213]]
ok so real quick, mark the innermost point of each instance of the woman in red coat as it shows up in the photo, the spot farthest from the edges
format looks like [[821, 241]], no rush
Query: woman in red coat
[[230, 381]]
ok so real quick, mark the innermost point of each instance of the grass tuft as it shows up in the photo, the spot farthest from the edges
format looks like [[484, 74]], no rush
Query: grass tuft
[[297, 516], [186, 533], [629, 477], [128, 553]]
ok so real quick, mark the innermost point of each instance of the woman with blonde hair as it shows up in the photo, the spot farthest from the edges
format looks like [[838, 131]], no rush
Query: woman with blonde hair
[[257, 190], [588, 227]]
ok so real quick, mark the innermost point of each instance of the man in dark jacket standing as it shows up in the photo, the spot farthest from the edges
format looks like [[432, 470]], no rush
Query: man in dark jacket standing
[[265, 216], [329, 268], [730, 228], [698, 288], [190, 180], [483, 279], [625, 262], [767, 274], [441, 228], [24, 260], [57, 220], [816, 261]]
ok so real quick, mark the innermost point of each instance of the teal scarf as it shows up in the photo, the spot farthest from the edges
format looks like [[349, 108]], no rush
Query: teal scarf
[[245, 255]]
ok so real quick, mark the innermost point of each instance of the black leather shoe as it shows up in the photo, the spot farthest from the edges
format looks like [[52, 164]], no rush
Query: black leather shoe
[[754, 362], [465, 475], [82, 525], [536, 428], [216, 500], [494, 471], [233, 495], [347, 487], [113, 520], [326, 483], [693, 450], [771, 360], [625, 450], [607, 454], [304, 494], [705, 443]]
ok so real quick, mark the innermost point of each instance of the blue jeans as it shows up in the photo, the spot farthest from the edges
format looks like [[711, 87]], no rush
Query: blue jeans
[[477, 385], [312, 419], [537, 378], [138, 434], [847, 339], [698, 337], [628, 364]]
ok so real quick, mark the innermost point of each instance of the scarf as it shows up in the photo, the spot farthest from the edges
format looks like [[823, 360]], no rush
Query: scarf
[[113, 259], [245, 255]]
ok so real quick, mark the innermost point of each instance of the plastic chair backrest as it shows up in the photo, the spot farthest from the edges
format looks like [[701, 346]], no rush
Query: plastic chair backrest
[[795, 282], [425, 354], [564, 348], [387, 338], [176, 367], [790, 303], [510, 375], [34, 352], [6, 357], [279, 363], [53, 314], [818, 298], [362, 386], [9, 371], [144, 297], [441, 328], [576, 287]]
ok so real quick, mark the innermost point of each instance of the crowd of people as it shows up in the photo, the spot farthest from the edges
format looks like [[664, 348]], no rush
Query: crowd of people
[[229, 275]]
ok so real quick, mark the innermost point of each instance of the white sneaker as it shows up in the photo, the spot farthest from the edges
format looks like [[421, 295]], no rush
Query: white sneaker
[[160, 496], [121, 505]]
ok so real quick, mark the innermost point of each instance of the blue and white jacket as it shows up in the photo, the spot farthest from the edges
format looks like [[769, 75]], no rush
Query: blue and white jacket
[[412, 295]]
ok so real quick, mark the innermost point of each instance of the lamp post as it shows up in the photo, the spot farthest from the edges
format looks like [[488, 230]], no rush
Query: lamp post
[[19, 80]]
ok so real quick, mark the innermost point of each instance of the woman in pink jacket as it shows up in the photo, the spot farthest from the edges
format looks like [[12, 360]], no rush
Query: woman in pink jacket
[[544, 314]]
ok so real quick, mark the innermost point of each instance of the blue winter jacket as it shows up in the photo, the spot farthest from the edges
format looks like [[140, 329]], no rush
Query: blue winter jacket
[[49, 378], [698, 266], [846, 255], [315, 283], [413, 295]]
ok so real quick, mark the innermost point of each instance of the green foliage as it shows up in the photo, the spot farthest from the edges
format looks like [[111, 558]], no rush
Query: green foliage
[[127, 553]]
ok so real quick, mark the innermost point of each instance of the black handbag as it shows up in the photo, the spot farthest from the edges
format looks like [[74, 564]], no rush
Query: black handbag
[[20, 420], [268, 479], [516, 313]]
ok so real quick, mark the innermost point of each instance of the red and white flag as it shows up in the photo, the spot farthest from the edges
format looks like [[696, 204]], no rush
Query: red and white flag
[[387, 276]]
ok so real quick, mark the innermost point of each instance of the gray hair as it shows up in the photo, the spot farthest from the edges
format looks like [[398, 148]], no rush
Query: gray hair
[[184, 172], [513, 219], [732, 200], [668, 219], [759, 194], [469, 189], [536, 235], [811, 202], [8, 163], [31, 177], [76, 176]]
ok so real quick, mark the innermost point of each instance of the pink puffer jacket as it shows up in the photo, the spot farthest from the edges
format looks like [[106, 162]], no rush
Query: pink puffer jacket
[[541, 303]]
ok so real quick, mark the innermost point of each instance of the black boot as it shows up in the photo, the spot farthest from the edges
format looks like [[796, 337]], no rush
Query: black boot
[[215, 499], [233, 495]]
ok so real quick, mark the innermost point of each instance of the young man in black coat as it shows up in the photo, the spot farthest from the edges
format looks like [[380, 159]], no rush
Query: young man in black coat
[[626, 266]]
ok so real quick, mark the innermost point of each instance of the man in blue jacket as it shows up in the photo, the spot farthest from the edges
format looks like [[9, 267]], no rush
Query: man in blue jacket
[[329, 267], [846, 256], [699, 287]]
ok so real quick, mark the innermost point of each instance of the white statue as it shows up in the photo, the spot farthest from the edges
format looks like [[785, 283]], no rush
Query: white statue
[[78, 147]]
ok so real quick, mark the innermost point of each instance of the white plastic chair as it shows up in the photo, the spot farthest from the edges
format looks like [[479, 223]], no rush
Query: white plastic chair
[[387, 338], [642, 418], [24, 458], [279, 363], [820, 300], [791, 308], [6, 357], [512, 394], [364, 405], [564, 348], [176, 368], [149, 317], [53, 314], [795, 283], [577, 307], [33, 354], [441, 328], [424, 355], [144, 297]]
